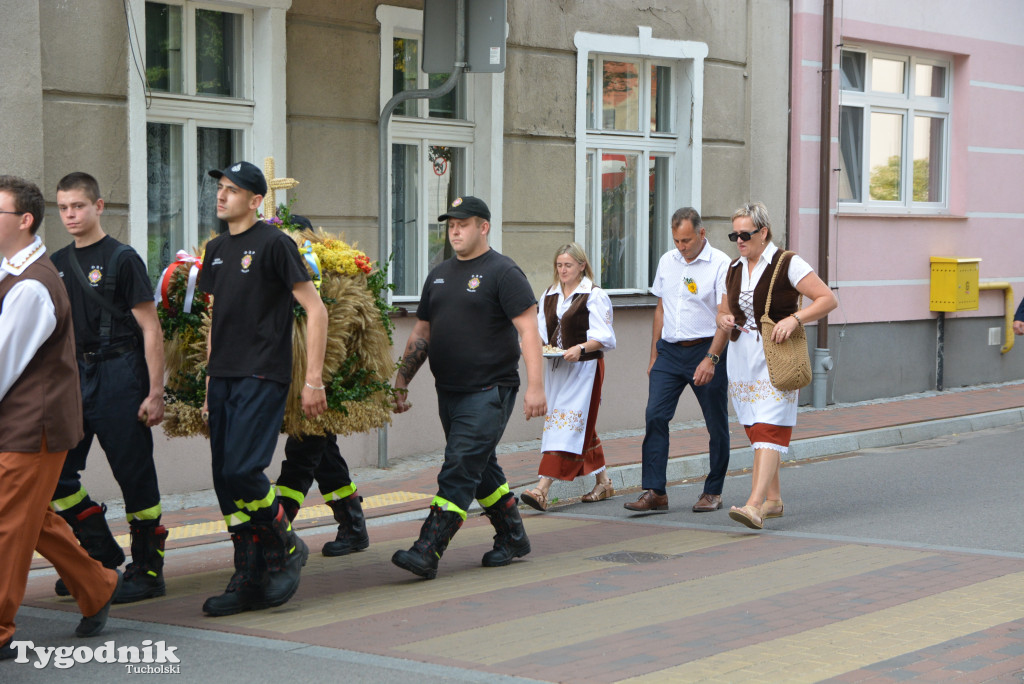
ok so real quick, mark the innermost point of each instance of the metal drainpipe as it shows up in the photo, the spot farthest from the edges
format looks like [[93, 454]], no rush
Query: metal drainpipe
[[384, 167], [822, 361]]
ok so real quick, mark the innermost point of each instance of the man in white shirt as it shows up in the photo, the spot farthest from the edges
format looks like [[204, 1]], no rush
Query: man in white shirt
[[686, 349], [40, 419]]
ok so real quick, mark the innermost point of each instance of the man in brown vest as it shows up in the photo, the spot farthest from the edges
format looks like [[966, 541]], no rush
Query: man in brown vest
[[40, 419]]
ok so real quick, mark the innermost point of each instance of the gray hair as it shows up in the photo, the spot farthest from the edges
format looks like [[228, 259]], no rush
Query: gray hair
[[686, 214], [758, 214]]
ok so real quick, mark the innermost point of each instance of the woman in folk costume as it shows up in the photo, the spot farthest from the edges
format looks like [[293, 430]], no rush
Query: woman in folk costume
[[767, 413], [575, 315]]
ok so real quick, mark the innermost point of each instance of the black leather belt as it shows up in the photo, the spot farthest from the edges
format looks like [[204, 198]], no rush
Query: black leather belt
[[110, 352], [694, 343]]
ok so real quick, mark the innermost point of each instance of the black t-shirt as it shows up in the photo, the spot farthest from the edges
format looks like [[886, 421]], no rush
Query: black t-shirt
[[133, 286], [251, 276], [470, 306]]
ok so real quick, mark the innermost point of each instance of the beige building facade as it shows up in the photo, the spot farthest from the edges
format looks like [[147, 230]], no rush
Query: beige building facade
[[610, 115]]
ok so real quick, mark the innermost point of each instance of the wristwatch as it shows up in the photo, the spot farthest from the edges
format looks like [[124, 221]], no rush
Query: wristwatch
[[583, 350], [713, 357]]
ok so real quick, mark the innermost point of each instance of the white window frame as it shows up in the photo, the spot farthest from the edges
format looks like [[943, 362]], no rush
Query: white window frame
[[481, 130], [684, 143], [909, 106], [260, 113]]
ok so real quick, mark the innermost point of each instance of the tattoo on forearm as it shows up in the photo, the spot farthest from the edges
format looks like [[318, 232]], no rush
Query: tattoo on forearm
[[415, 355]]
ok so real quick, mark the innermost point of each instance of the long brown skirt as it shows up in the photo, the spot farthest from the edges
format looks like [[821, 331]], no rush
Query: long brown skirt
[[562, 465]]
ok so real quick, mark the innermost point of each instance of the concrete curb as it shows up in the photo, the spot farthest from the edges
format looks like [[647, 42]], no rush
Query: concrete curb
[[696, 466]]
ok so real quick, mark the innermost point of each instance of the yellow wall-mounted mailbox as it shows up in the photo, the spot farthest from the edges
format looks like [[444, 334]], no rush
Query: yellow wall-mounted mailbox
[[954, 284]]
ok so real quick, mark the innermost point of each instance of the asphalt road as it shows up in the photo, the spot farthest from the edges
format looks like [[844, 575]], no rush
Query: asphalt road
[[961, 491]]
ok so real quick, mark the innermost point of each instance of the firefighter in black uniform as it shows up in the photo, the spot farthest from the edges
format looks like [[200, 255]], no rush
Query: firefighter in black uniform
[[119, 345], [474, 309], [317, 457]]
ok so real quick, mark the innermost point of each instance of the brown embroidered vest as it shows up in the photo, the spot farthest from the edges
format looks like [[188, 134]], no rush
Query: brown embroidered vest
[[785, 298], [574, 323], [46, 397]]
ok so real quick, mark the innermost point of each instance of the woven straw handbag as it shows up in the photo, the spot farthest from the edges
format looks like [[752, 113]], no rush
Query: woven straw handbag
[[789, 364]]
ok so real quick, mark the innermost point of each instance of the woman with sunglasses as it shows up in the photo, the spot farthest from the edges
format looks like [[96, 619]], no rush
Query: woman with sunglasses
[[767, 413], [576, 316]]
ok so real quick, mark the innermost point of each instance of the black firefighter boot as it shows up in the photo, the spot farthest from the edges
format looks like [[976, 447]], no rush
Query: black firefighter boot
[[352, 534], [245, 588], [437, 531], [290, 506], [285, 554], [144, 576], [510, 540], [93, 533]]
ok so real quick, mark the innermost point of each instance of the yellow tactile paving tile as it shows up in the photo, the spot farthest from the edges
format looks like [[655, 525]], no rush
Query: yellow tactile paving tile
[[568, 626], [838, 648], [310, 512], [374, 600]]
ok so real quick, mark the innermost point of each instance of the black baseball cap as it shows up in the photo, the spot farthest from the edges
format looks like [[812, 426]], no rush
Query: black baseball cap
[[464, 207], [301, 221], [245, 175]]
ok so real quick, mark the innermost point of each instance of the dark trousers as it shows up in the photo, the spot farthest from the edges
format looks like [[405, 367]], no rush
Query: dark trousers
[[473, 424], [245, 420], [112, 391], [313, 457], [673, 370]]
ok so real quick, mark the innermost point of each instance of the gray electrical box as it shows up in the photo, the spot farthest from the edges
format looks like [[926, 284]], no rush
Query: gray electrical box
[[485, 36]]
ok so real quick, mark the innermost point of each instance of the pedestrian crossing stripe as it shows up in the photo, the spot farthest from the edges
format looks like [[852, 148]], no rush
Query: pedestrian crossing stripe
[[203, 529]]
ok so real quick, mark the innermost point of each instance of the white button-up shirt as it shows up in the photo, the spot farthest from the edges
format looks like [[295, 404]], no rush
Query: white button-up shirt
[[690, 292], [27, 317]]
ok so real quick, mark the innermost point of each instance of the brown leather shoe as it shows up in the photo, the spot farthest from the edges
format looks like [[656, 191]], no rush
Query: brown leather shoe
[[648, 501], [707, 503]]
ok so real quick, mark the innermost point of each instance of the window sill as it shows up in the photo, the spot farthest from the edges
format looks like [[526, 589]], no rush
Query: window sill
[[905, 215], [630, 301], [634, 301]]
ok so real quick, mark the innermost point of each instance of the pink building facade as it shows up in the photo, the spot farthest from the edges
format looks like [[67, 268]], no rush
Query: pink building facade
[[927, 160]]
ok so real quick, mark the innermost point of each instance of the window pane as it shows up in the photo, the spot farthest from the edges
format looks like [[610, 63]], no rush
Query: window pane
[[216, 148], [620, 102], [659, 220], [447, 106], [618, 219], [588, 220], [591, 104], [218, 53], [851, 71], [886, 156], [163, 47], [404, 199], [661, 98], [164, 194], [929, 80], [887, 75], [406, 72], [443, 184], [928, 162], [851, 152]]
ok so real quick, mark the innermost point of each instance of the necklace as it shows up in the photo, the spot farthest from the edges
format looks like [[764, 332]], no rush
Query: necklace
[[28, 256]]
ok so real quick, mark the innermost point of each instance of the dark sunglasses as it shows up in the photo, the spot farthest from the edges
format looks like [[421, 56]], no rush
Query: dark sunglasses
[[743, 235]]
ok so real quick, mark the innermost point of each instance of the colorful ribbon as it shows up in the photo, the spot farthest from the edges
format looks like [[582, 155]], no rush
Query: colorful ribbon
[[182, 258], [306, 250]]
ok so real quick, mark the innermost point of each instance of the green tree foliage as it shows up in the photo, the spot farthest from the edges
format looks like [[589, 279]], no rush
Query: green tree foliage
[[885, 180]]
